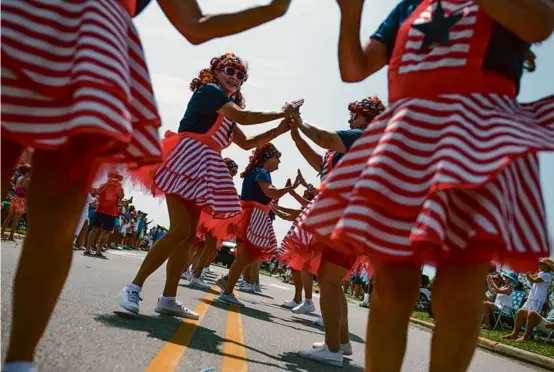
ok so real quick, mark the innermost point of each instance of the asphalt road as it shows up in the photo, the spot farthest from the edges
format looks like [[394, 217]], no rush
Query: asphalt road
[[89, 332]]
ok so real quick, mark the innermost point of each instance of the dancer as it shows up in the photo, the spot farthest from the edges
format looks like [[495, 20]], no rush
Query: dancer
[[194, 177], [104, 111], [448, 175], [255, 235], [209, 230], [313, 256]]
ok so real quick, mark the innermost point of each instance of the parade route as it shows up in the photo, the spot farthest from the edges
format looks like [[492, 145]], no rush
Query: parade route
[[89, 332]]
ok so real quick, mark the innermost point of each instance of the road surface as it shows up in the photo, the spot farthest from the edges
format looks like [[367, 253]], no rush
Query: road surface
[[89, 332]]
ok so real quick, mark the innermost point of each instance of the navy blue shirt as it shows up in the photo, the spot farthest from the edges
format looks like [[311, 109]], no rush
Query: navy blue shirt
[[251, 190], [141, 4], [504, 55], [201, 113], [348, 138]]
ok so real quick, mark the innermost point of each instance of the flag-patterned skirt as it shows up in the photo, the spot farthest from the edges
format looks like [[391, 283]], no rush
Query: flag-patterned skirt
[[454, 179], [74, 74], [255, 230]]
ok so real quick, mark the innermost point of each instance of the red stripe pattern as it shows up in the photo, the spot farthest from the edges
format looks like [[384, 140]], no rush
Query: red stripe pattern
[[430, 179], [453, 55], [198, 173], [260, 233], [77, 67]]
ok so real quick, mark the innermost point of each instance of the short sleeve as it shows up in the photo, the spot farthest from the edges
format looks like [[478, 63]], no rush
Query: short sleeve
[[546, 277], [349, 136], [262, 175], [208, 98]]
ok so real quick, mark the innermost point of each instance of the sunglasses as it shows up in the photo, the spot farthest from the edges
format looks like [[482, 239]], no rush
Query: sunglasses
[[232, 71]]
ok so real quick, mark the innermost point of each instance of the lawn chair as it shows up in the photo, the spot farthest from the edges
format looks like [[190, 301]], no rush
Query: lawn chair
[[509, 311], [545, 335]]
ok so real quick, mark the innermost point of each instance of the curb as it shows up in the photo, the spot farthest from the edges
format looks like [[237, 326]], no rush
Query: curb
[[503, 349]]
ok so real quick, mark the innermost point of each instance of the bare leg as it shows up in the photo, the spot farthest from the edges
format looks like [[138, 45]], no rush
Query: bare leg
[[204, 258], [11, 151], [92, 238], [521, 319], [242, 261], [15, 223], [344, 331], [254, 271], [55, 205], [533, 320], [393, 300], [489, 309], [330, 278], [297, 280], [308, 284], [7, 222], [179, 230], [458, 315], [179, 258]]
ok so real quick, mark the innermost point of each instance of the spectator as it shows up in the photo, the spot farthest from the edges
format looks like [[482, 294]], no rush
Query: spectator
[[540, 281], [503, 296], [532, 321]]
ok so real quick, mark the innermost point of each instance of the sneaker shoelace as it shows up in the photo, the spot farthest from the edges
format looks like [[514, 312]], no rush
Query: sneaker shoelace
[[134, 297]]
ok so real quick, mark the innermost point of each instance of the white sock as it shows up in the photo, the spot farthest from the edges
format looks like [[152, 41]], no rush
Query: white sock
[[168, 300], [308, 301], [18, 367], [134, 287]]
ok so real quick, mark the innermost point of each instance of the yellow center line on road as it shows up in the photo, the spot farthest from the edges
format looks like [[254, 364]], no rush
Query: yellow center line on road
[[234, 359], [170, 355]]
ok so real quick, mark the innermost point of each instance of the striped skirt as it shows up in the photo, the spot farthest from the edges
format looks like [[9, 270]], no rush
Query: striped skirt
[[77, 68], [453, 179], [255, 231], [198, 174]]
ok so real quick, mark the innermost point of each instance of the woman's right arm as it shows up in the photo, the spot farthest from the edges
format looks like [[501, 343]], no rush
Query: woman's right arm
[[246, 117], [313, 158], [357, 62], [187, 17]]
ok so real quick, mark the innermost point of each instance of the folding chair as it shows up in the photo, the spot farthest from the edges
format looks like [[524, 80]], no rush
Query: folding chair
[[509, 311]]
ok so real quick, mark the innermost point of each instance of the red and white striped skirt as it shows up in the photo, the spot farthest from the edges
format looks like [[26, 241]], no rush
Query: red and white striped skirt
[[77, 68], [198, 174], [453, 179], [221, 230], [255, 231]]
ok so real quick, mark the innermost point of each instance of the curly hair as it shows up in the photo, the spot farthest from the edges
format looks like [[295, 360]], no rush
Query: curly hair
[[368, 107], [259, 156], [529, 62], [207, 75], [230, 163]]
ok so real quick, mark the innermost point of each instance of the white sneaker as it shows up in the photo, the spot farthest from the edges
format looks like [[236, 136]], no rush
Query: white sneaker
[[345, 348], [221, 283], [304, 308], [199, 283], [323, 355], [229, 299], [319, 322], [175, 308], [257, 288], [186, 275], [248, 288], [291, 304], [129, 299]]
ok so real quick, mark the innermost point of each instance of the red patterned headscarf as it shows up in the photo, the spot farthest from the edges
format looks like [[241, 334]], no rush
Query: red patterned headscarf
[[230, 163], [368, 107], [259, 156]]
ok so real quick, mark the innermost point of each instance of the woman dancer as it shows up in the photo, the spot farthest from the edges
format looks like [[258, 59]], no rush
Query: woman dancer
[[255, 235], [449, 174], [194, 178], [316, 257], [104, 111], [18, 203], [211, 232]]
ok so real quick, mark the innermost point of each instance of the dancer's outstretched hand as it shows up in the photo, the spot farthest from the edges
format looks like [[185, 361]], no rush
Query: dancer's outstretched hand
[[293, 106], [301, 179], [280, 6], [284, 126]]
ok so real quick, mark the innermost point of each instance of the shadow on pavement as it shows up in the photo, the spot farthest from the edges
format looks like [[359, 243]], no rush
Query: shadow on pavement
[[159, 327]]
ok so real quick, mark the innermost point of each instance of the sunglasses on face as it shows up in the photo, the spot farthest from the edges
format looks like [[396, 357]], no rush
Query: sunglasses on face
[[232, 71]]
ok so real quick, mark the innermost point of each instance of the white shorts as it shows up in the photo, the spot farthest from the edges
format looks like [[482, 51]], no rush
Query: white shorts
[[533, 305], [542, 327]]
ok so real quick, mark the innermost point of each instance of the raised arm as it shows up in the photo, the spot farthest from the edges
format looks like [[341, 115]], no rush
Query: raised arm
[[272, 192], [284, 213], [327, 139], [357, 62], [247, 143], [246, 117], [531, 20], [303, 202], [312, 157], [187, 17]]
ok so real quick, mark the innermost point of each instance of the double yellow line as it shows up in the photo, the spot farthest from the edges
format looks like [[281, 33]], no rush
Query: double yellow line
[[170, 356]]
